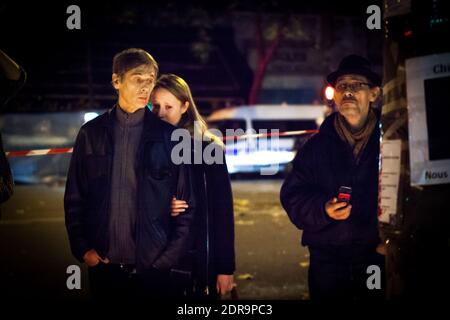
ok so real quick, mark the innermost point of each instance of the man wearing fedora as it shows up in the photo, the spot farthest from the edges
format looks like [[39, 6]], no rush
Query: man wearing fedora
[[332, 192]]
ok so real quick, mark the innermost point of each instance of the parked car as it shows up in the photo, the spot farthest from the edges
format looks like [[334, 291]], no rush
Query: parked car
[[247, 149]]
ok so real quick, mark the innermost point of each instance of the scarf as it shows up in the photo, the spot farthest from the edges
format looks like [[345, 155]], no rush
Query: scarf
[[357, 140]]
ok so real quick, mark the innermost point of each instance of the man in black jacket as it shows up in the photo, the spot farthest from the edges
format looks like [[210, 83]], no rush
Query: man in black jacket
[[341, 230], [119, 189]]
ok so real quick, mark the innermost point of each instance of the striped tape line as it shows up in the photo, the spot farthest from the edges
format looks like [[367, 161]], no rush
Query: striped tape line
[[39, 152], [42, 152]]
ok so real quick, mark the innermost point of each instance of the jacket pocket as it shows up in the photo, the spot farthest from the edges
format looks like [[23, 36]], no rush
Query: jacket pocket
[[158, 189], [159, 173], [161, 182]]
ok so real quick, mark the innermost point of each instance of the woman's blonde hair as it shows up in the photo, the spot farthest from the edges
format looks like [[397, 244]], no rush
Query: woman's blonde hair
[[191, 119]]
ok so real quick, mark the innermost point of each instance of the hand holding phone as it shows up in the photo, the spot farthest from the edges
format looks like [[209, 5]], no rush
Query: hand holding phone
[[344, 194]]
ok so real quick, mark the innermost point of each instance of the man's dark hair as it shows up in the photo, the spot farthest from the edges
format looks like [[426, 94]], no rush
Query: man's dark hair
[[132, 58]]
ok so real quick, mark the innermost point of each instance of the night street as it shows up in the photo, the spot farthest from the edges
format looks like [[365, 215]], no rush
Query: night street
[[35, 251], [332, 114]]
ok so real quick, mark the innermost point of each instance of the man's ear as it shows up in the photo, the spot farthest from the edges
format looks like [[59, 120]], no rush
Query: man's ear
[[374, 94], [115, 80]]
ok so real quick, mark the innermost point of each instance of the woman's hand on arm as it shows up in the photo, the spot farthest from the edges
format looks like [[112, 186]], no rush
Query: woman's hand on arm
[[177, 207]]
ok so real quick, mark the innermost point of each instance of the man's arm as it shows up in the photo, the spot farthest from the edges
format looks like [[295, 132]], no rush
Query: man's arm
[[74, 200], [181, 224], [301, 197]]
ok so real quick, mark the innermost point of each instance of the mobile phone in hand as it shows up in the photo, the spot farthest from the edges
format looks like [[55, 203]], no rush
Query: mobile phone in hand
[[344, 194]]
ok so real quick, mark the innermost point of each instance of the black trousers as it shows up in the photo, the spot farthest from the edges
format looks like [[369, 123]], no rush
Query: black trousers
[[197, 291], [340, 273], [109, 282]]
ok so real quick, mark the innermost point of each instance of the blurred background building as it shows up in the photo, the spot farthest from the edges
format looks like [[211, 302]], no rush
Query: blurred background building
[[230, 53]]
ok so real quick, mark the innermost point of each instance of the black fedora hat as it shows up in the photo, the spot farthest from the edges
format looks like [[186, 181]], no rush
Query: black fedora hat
[[354, 64]]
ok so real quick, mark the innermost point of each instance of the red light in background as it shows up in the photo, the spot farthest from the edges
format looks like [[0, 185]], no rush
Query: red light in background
[[408, 33], [329, 92]]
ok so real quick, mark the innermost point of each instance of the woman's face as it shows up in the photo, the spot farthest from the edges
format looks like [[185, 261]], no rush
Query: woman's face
[[167, 106]]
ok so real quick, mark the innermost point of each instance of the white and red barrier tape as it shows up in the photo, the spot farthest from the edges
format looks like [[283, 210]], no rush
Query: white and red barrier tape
[[42, 152], [276, 134], [38, 152]]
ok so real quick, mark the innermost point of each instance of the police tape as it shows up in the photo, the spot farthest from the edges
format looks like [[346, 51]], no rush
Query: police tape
[[272, 134], [38, 152], [42, 152]]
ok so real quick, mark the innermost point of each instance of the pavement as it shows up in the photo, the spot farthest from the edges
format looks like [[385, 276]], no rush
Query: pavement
[[35, 254]]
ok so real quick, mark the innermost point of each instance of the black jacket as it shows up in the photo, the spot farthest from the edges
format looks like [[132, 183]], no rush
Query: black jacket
[[323, 165], [160, 238], [212, 241]]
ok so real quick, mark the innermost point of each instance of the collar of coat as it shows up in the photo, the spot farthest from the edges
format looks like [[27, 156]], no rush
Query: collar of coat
[[328, 128], [153, 130]]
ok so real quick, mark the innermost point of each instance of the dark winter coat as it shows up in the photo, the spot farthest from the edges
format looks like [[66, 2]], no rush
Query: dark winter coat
[[160, 239], [212, 242], [323, 165]]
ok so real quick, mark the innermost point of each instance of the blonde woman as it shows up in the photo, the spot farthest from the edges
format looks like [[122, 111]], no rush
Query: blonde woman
[[213, 238]]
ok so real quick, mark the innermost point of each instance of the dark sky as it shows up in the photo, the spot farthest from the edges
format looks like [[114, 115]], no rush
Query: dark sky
[[31, 28], [36, 36]]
